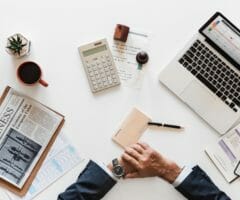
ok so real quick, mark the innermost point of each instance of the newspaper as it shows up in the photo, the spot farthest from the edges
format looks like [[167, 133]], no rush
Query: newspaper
[[62, 157], [26, 128]]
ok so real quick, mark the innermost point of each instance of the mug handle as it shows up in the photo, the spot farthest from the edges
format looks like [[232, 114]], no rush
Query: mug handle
[[43, 83]]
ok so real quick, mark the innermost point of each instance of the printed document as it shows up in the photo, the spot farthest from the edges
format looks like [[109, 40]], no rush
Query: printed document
[[26, 128], [226, 153], [62, 157]]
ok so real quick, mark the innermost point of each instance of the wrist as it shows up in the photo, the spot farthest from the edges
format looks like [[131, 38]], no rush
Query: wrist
[[117, 168], [170, 173], [110, 167]]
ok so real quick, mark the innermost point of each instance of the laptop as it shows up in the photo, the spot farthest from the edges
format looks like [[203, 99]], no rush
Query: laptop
[[206, 73]]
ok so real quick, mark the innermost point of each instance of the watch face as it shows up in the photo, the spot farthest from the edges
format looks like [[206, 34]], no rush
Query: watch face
[[118, 170]]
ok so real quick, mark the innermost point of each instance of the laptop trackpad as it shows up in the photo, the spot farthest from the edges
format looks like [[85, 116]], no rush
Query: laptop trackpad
[[198, 97]]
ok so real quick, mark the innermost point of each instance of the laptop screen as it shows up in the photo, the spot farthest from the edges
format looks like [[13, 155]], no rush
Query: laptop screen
[[224, 36]]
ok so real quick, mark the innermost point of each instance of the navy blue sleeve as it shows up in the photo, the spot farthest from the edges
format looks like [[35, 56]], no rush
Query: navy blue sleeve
[[198, 186], [92, 184]]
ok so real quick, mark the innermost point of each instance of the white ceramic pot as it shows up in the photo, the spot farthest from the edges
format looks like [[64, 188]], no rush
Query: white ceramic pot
[[25, 50]]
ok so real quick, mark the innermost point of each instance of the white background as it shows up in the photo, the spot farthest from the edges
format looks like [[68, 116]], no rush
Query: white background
[[56, 28]]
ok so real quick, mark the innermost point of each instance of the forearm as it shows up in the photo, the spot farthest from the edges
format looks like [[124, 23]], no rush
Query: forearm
[[92, 184], [197, 186]]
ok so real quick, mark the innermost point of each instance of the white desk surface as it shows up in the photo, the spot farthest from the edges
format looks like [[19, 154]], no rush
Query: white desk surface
[[56, 28]]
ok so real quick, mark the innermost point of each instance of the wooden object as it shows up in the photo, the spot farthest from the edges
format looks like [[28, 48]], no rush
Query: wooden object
[[121, 33]]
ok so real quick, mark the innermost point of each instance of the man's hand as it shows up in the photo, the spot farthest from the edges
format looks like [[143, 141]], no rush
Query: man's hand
[[148, 163]]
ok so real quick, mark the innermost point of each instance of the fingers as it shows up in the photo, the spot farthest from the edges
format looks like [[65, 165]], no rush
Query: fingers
[[132, 175], [143, 145], [133, 153], [137, 148], [131, 160]]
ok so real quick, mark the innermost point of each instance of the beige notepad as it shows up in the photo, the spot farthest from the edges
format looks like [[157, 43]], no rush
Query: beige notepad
[[131, 128]]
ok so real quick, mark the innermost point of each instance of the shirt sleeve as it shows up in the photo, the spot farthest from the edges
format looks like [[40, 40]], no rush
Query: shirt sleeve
[[182, 176], [108, 171]]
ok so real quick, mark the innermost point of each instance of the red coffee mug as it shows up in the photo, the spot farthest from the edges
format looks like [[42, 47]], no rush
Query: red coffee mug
[[30, 73]]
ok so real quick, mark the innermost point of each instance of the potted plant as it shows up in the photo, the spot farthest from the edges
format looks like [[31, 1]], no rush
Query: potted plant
[[18, 45]]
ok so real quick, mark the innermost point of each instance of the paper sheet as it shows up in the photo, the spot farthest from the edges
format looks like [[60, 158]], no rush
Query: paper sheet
[[124, 55], [61, 158], [226, 153]]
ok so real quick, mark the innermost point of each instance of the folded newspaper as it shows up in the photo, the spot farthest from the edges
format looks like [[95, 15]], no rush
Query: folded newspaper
[[62, 157], [26, 128], [225, 154]]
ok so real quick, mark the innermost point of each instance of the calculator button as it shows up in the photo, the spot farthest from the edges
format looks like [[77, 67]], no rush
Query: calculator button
[[97, 76]]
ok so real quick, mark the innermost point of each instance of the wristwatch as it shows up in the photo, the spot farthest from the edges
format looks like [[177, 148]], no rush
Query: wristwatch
[[118, 170]]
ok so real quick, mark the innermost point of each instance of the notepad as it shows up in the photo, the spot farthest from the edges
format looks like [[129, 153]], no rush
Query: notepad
[[131, 129]]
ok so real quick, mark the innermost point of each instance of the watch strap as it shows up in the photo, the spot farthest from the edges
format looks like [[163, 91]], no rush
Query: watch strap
[[115, 162]]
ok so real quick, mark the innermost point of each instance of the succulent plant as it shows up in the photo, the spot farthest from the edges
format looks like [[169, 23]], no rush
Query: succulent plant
[[15, 44]]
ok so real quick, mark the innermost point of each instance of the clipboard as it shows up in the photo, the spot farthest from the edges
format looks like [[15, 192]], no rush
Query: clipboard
[[22, 191], [131, 128]]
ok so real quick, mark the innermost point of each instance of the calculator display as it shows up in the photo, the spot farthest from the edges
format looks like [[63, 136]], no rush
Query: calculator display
[[94, 50]]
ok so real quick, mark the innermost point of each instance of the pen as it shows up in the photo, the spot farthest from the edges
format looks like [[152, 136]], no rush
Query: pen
[[165, 125]]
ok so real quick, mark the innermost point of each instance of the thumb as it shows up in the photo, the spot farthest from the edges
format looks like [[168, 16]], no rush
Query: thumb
[[132, 175]]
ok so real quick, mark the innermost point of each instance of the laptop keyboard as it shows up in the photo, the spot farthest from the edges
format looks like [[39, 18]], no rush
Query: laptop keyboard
[[207, 67]]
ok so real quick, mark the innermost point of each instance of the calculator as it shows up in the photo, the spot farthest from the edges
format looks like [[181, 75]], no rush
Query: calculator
[[99, 65]]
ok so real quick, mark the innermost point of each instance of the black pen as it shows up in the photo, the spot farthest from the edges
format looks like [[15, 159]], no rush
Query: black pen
[[165, 125]]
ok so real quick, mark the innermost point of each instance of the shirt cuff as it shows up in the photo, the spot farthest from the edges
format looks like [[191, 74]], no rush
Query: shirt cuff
[[108, 171], [182, 176]]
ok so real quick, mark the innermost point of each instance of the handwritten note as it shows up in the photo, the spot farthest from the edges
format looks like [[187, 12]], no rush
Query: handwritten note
[[125, 57]]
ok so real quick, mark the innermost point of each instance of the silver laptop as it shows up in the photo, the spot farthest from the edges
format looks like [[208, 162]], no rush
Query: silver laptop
[[206, 73]]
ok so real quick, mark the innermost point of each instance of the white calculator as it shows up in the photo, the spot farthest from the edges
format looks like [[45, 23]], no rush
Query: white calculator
[[99, 65]]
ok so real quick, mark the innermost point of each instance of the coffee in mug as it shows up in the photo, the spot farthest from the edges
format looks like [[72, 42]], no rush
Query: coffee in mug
[[30, 73]]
